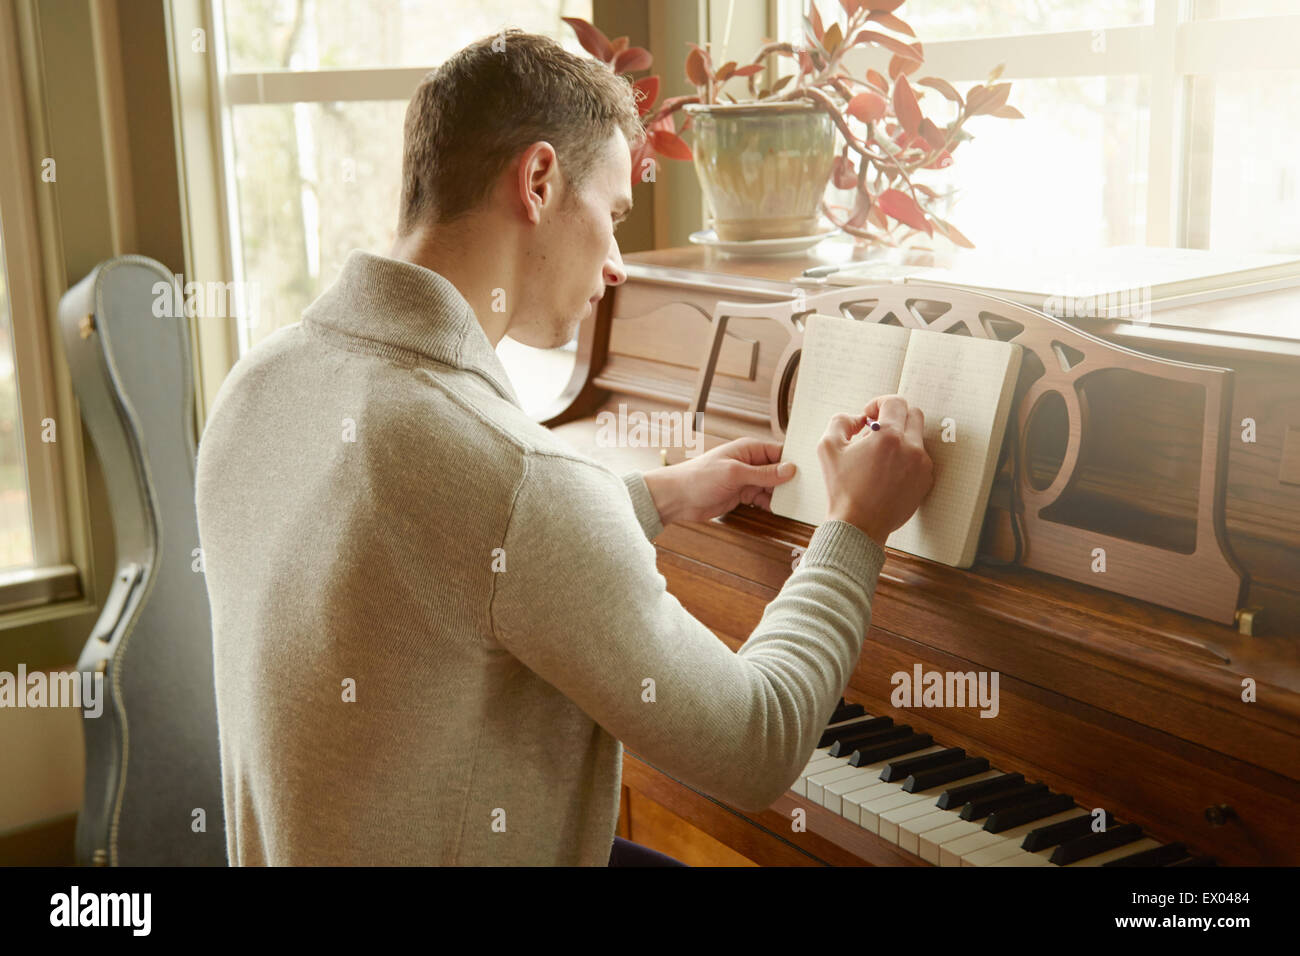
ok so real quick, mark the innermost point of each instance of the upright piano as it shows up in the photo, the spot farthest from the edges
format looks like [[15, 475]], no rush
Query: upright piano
[[1147, 716]]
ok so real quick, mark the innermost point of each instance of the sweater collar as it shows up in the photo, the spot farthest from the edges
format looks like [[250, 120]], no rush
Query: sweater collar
[[402, 305]]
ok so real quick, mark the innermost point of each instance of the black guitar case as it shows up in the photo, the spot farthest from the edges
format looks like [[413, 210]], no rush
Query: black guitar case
[[153, 775]]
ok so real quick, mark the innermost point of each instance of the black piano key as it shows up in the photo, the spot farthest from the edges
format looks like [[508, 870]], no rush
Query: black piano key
[[1055, 833], [1156, 856], [846, 712], [929, 779], [1196, 861], [869, 755], [955, 797], [1083, 847], [902, 769], [865, 725], [982, 807], [844, 746], [1022, 813]]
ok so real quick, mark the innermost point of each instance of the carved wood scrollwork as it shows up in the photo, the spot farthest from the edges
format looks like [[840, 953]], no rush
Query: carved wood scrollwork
[[1203, 579]]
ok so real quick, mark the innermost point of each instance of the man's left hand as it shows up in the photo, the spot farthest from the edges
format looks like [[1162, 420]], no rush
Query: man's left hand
[[743, 471]]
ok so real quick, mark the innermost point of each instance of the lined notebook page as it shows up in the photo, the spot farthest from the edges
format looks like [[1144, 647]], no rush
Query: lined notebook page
[[845, 364], [969, 382]]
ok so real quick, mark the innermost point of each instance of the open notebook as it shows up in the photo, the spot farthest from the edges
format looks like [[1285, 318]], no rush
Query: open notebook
[[966, 382]]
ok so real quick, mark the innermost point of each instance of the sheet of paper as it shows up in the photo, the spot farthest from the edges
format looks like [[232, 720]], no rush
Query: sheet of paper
[[959, 383], [845, 363]]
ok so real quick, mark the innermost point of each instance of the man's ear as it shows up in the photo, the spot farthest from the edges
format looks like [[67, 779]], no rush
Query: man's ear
[[539, 179]]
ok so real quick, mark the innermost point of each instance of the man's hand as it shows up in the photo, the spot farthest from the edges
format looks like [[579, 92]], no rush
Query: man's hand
[[743, 471], [876, 479]]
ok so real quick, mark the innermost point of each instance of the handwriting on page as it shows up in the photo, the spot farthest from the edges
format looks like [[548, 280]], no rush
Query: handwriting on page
[[957, 382], [845, 363]]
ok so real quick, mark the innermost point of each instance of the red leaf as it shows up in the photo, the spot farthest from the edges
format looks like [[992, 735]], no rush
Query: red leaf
[[843, 175], [696, 68], [942, 161], [878, 81], [881, 6], [1008, 112], [932, 134], [850, 6], [633, 59], [905, 106], [805, 62], [953, 234], [901, 66], [725, 71], [816, 18], [943, 86], [867, 107], [891, 22], [618, 44], [749, 70], [670, 144], [900, 206], [898, 47], [646, 91], [997, 98], [592, 39]]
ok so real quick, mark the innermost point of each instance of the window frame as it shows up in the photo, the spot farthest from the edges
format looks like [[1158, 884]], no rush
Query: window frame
[[58, 581]]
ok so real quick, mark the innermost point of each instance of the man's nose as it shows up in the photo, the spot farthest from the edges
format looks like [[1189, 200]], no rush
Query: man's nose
[[614, 273]]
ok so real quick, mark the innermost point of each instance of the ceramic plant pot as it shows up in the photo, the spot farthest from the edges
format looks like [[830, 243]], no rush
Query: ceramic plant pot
[[763, 167]]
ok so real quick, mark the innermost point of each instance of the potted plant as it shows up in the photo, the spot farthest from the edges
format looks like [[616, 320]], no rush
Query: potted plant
[[764, 162]]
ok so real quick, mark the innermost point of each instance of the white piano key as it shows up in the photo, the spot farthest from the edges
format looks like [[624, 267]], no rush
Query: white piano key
[[818, 782], [1097, 859], [887, 828], [954, 853], [815, 766], [835, 793], [932, 841], [1025, 859], [909, 832]]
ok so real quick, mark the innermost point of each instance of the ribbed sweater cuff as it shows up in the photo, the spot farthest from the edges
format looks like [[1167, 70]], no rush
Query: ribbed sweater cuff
[[847, 548], [643, 504]]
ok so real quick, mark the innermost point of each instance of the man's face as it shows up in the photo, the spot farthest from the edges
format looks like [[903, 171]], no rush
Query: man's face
[[576, 255]]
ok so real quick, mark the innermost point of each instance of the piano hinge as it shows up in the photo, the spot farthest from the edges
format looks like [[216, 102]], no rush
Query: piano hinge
[[100, 857], [1247, 619]]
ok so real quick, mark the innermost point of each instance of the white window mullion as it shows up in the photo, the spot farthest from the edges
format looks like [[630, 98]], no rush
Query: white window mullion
[[1164, 168]]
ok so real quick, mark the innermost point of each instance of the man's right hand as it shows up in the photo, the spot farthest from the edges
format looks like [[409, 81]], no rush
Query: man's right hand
[[876, 480]]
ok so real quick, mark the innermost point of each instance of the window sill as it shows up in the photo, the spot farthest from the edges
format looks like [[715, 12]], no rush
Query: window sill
[[29, 595]]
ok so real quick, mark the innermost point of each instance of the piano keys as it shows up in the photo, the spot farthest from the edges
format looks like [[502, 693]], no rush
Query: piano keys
[[962, 821]]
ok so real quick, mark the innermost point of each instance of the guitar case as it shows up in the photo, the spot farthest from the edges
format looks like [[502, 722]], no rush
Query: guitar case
[[153, 776]]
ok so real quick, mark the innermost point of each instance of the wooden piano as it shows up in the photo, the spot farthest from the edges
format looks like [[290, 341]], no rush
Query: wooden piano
[[1167, 694]]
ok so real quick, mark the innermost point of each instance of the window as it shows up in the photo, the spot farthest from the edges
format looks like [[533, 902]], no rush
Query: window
[[1147, 122], [15, 516], [314, 94], [44, 538]]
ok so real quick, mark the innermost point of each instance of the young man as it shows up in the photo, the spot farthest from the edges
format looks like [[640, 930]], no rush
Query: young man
[[433, 622]]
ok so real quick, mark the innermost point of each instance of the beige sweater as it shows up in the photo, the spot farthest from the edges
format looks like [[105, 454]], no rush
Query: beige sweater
[[434, 622]]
